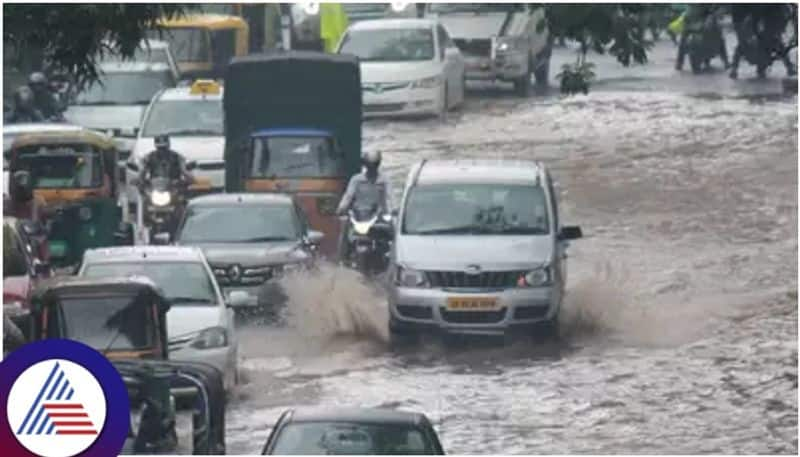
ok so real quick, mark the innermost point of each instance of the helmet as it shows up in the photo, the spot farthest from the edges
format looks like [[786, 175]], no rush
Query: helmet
[[21, 186], [37, 79], [372, 159], [24, 97], [161, 141]]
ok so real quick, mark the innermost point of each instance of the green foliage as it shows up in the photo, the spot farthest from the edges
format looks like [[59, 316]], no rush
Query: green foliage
[[576, 78], [73, 35]]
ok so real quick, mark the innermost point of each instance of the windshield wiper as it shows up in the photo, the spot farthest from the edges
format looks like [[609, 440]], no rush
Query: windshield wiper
[[177, 300], [262, 239], [192, 132]]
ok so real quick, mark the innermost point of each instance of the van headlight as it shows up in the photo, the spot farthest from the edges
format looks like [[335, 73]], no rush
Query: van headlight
[[210, 338], [406, 277], [505, 45], [160, 197], [427, 83], [537, 277]]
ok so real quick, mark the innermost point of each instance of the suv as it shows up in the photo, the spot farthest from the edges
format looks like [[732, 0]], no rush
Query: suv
[[499, 41], [494, 261]]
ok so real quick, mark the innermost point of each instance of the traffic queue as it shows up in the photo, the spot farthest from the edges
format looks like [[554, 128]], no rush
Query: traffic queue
[[143, 240]]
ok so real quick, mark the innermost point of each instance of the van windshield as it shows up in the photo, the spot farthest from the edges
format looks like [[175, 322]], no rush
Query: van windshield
[[476, 209], [295, 157]]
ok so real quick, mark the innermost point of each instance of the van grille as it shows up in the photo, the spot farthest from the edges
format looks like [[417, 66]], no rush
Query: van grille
[[488, 279], [473, 317]]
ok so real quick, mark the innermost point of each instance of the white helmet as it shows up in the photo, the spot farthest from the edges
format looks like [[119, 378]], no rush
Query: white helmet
[[372, 158]]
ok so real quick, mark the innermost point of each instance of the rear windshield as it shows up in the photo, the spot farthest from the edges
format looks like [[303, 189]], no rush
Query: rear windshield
[[185, 118], [121, 322], [184, 283], [389, 45], [295, 157], [342, 438], [134, 88], [253, 224], [67, 166]]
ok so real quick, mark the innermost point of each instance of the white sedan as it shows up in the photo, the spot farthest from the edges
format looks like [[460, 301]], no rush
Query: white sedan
[[408, 66]]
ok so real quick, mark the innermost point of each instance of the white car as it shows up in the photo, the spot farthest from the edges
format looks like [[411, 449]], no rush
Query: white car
[[193, 118], [408, 66], [200, 324], [149, 51]]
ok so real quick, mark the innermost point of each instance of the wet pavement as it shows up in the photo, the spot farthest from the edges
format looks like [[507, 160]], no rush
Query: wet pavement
[[679, 334]]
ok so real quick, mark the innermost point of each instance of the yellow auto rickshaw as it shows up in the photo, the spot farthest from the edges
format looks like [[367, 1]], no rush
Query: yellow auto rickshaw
[[203, 44], [75, 176]]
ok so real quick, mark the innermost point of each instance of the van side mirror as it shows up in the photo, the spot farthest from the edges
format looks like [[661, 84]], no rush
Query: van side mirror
[[570, 232]]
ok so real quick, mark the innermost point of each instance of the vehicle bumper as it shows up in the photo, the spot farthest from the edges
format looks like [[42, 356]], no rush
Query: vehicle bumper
[[269, 294], [223, 359], [417, 309], [403, 102], [504, 67]]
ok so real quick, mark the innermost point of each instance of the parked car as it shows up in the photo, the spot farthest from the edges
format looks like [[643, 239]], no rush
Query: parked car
[[149, 51], [357, 12], [516, 279], [193, 119], [499, 41], [353, 431], [250, 240], [115, 103], [200, 323], [22, 268], [408, 66]]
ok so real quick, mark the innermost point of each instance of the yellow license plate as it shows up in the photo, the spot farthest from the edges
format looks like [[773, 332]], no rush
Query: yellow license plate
[[472, 304]]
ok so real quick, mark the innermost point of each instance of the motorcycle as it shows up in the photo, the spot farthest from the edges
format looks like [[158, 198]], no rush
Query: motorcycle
[[370, 237], [165, 202]]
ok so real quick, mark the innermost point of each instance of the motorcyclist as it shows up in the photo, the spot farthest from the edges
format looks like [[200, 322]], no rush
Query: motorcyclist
[[164, 162], [44, 100], [24, 109], [696, 15], [366, 190], [759, 29]]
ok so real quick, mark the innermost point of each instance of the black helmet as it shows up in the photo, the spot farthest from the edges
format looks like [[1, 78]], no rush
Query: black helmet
[[161, 141], [21, 186], [37, 78], [23, 97], [372, 159]]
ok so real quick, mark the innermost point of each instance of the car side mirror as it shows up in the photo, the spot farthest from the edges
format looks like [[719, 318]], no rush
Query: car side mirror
[[314, 237], [161, 238], [191, 165], [237, 299], [570, 232]]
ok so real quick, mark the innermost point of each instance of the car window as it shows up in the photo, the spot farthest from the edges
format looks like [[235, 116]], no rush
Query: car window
[[129, 88], [62, 165], [344, 438], [184, 283], [389, 45], [254, 224], [184, 118]]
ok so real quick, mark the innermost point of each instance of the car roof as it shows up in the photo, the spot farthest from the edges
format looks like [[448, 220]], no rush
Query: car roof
[[143, 254], [291, 132], [362, 415], [480, 171], [132, 67], [184, 93], [386, 24], [241, 198], [15, 129]]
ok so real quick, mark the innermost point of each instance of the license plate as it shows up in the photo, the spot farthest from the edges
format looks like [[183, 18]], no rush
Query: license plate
[[472, 304]]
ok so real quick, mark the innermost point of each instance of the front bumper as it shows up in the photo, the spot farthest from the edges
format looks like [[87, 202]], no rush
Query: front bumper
[[223, 359], [504, 67], [419, 309], [269, 294], [403, 102]]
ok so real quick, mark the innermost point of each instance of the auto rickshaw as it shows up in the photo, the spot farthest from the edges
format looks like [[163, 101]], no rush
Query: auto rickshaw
[[293, 125], [203, 44], [125, 319], [76, 178]]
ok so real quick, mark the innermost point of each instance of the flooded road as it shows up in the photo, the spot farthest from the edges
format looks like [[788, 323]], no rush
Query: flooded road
[[680, 326]]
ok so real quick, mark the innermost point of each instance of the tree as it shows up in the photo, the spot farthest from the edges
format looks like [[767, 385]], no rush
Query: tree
[[617, 29], [72, 36]]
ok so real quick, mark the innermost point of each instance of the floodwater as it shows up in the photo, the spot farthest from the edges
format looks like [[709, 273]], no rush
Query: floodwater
[[679, 333]]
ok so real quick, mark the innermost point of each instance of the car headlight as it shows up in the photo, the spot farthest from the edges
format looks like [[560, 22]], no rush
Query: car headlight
[[291, 268], [160, 197], [505, 45], [535, 278], [407, 277], [427, 83], [210, 338]]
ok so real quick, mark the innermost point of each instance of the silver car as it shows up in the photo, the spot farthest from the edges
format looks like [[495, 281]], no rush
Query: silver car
[[479, 249]]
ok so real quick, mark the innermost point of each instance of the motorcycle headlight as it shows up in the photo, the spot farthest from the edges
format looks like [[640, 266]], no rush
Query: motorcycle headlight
[[535, 278], [210, 338], [426, 83], [407, 277], [160, 197]]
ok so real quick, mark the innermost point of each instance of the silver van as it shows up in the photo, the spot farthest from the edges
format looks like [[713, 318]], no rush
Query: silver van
[[479, 250]]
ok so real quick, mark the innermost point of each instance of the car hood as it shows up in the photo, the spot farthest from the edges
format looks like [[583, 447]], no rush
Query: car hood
[[489, 252], [199, 148], [384, 72], [185, 319], [251, 254], [472, 26], [105, 117]]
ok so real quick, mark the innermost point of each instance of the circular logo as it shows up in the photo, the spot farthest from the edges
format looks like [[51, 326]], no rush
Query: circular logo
[[235, 273], [58, 397]]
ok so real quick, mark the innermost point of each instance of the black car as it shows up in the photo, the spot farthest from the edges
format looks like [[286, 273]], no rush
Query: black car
[[250, 241], [352, 431]]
